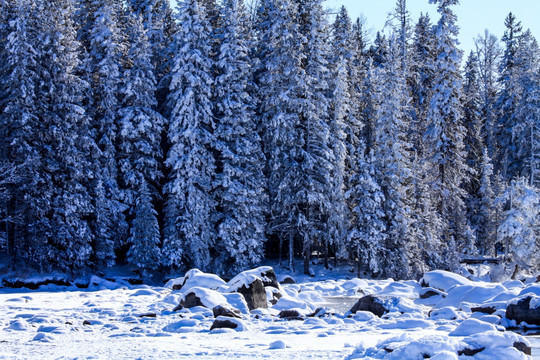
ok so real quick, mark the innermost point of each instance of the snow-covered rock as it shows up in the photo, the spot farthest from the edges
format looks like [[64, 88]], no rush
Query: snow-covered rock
[[525, 308], [443, 280], [472, 326], [197, 278]]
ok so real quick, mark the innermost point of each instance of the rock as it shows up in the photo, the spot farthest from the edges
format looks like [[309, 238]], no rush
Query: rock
[[255, 294], [149, 315], [443, 280], [370, 303], [191, 300], [288, 280], [524, 348], [427, 292], [265, 273], [222, 322], [273, 294], [470, 352], [522, 311], [221, 310], [484, 309], [290, 315]]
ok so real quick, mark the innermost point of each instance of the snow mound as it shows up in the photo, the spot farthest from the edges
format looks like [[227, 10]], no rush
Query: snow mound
[[443, 280], [289, 303], [18, 325], [180, 326], [472, 326], [197, 278], [209, 298], [531, 289], [445, 313], [277, 345]]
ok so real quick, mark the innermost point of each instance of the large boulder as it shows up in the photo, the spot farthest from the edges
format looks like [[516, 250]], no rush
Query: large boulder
[[225, 311], [443, 280], [255, 294], [265, 273], [222, 322], [525, 309], [197, 296], [370, 303], [196, 278], [251, 284]]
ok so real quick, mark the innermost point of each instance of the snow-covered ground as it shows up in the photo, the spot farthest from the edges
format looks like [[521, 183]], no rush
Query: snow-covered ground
[[120, 321]]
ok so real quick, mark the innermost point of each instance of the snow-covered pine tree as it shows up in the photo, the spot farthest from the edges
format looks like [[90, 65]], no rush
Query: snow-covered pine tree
[[505, 160], [20, 124], [322, 215], [444, 136], [345, 63], [279, 77], [140, 152], [393, 167], [473, 141], [104, 66], [420, 79], [190, 207], [67, 141], [240, 185], [519, 229], [486, 216], [527, 127], [367, 232], [488, 52]]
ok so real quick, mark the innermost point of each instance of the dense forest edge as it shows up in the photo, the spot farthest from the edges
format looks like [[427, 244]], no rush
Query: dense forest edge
[[219, 135]]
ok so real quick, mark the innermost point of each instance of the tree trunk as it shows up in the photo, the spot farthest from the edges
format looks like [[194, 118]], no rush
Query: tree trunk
[[307, 253]]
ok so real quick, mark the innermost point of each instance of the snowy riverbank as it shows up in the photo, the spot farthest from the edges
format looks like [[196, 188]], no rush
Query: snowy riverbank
[[449, 317]]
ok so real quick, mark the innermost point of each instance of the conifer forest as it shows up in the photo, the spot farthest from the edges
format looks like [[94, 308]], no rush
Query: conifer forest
[[219, 134]]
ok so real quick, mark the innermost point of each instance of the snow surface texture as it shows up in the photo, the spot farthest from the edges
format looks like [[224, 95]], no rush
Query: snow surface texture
[[109, 320]]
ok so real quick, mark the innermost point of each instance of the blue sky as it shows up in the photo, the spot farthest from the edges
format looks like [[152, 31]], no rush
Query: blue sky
[[474, 16]]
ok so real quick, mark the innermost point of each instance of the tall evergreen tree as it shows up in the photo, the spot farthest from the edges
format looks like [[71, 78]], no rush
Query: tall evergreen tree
[[445, 135], [393, 168], [190, 207], [20, 125], [488, 52], [67, 141], [140, 153], [240, 186], [505, 160]]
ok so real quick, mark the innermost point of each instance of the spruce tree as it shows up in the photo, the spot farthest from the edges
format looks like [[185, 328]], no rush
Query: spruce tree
[[140, 153], [444, 136], [190, 232], [509, 97], [393, 168], [240, 185]]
